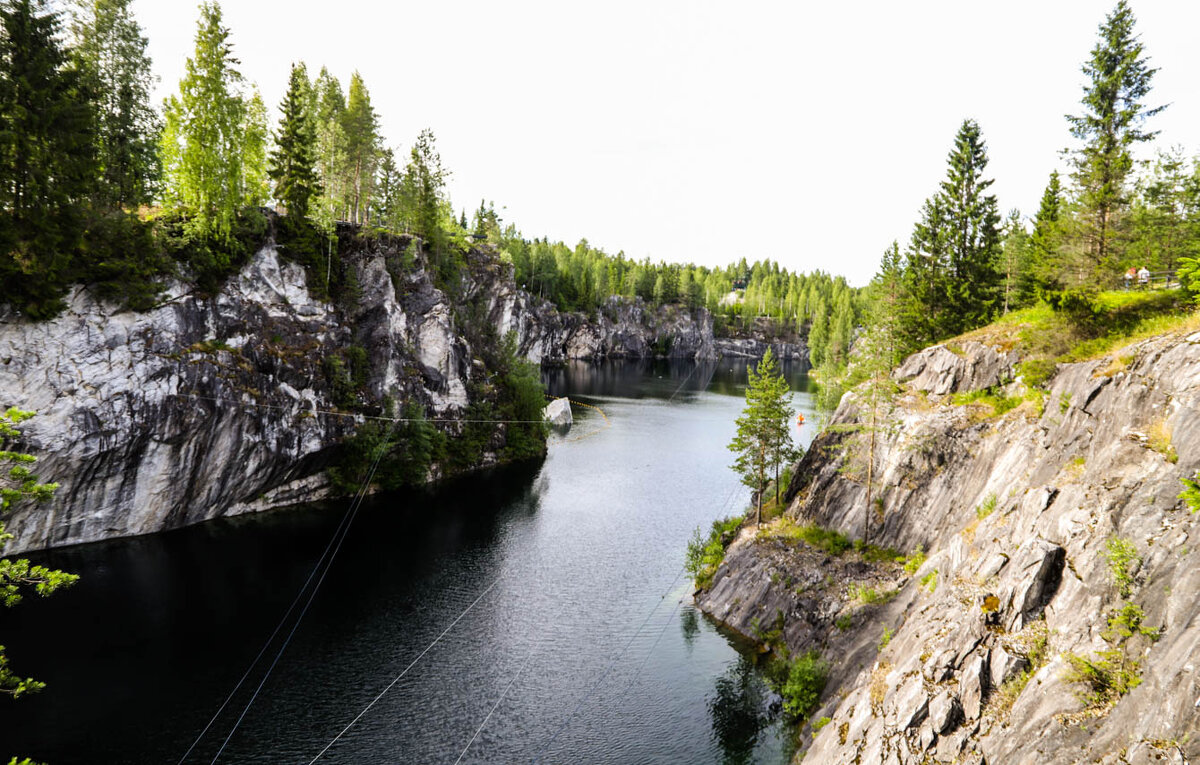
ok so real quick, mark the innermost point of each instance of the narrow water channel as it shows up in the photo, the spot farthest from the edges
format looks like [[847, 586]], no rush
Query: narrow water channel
[[581, 627]]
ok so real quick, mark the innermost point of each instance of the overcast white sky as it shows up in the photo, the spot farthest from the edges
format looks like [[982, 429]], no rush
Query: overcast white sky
[[806, 132]]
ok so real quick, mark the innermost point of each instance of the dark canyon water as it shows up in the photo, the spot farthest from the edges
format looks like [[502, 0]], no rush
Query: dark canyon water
[[580, 644]]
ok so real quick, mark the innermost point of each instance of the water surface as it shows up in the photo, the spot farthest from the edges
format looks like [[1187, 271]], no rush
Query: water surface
[[581, 644]]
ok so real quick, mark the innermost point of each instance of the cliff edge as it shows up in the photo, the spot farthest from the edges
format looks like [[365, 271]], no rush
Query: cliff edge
[[1047, 612]]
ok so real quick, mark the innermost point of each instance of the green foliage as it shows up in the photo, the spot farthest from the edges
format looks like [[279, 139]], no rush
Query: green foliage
[[1111, 673], [1191, 492], [17, 575], [705, 552], [213, 144], [987, 507], [950, 279], [870, 596], [886, 638], [914, 562], [293, 160], [764, 439], [1036, 372], [1111, 123], [929, 581], [18, 481], [844, 622], [993, 398], [1123, 562], [47, 158], [821, 723], [801, 691], [211, 259], [111, 52]]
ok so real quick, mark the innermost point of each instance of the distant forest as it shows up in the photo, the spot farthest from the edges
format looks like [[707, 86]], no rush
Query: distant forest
[[99, 187]]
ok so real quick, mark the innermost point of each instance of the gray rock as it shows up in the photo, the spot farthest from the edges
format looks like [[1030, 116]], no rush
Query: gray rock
[[558, 413], [1004, 665], [945, 712], [940, 371], [973, 685]]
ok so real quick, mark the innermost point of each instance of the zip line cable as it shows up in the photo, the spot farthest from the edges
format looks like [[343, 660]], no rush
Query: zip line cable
[[283, 620], [495, 706], [595, 686], [638, 672], [404, 672], [608, 670], [357, 504]]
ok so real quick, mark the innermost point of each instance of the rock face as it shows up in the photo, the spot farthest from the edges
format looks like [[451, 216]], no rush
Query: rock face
[[211, 406], [1016, 514], [215, 406]]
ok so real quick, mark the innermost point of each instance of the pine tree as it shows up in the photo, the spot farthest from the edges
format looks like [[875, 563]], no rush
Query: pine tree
[[926, 265], [360, 129], [1014, 260], [387, 190], [293, 161], [328, 105], [47, 157], [763, 439], [973, 235], [112, 51], [1119, 80], [1047, 264], [213, 143]]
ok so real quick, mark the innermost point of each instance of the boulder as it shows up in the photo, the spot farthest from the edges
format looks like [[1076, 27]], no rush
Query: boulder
[[558, 413]]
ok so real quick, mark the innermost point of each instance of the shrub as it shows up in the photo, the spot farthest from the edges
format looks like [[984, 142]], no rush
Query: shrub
[[1123, 561], [1191, 492], [805, 682], [929, 581], [986, 508], [1112, 673], [886, 637], [914, 562], [705, 553], [870, 596]]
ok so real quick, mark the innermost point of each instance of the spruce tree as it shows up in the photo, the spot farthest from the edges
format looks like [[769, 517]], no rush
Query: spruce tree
[[47, 157], [763, 439], [212, 147], [112, 52], [360, 129], [293, 160], [1114, 113], [926, 265], [973, 235], [1047, 264]]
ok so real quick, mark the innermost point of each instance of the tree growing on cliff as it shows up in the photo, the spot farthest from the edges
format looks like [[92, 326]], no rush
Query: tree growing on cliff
[[1112, 122], [212, 147], [47, 157], [293, 162], [764, 440], [18, 575], [112, 53]]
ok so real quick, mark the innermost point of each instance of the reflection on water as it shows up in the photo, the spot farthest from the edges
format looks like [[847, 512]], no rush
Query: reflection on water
[[582, 555], [740, 711]]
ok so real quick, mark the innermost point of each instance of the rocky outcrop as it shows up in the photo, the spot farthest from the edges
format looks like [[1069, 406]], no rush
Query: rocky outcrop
[[621, 329], [753, 348], [211, 406], [1017, 515], [972, 366]]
